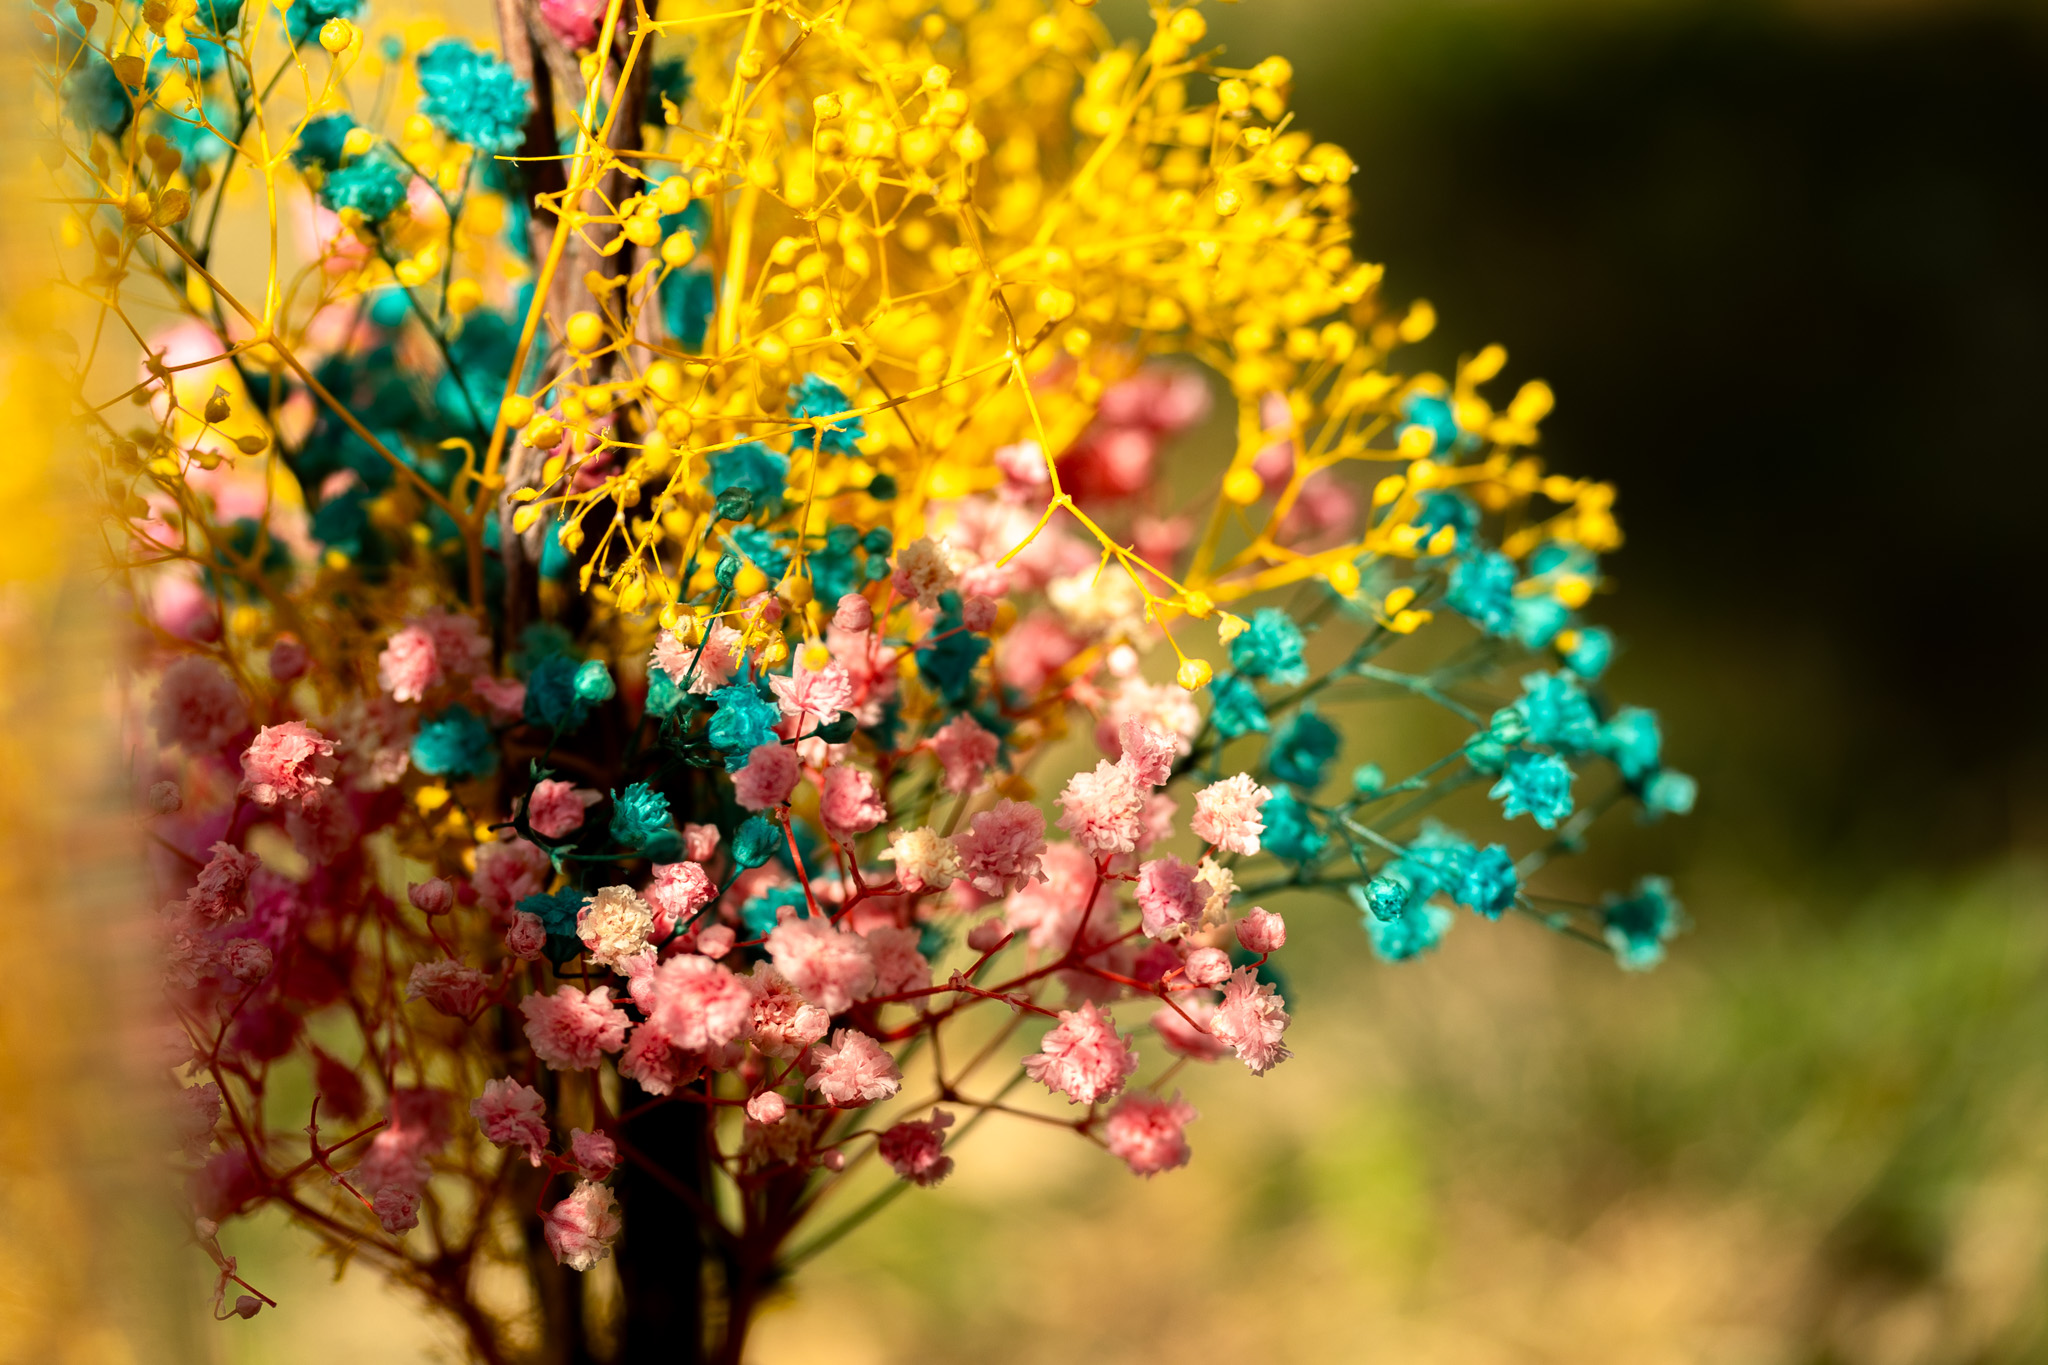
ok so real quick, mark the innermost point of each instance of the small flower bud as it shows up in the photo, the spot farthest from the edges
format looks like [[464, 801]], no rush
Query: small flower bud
[[978, 613], [248, 960], [854, 613], [984, 936], [1262, 931], [767, 1108], [248, 1306], [164, 798], [715, 942], [1207, 967], [834, 1160], [431, 897], [287, 658]]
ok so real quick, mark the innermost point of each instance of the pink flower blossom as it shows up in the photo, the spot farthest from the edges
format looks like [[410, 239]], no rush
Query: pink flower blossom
[[1185, 1030], [1148, 752], [1148, 1132], [899, 966], [574, 21], [571, 1030], [1227, 814], [449, 986], [614, 924], [831, 968], [852, 1070], [555, 810], [987, 935], [459, 643], [812, 697], [978, 613], [925, 859], [221, 894], [655, 1064], [287, 658], [1103, 809], [248, 960], [767, 1108], [527, 938], [505, 697], [1051, 910], [915, 1150], [678, 891], [509, 871], [1023, 464], [580, 1229], [851, 805], [966, 752], [854, 612], [1083, 1057], [408, 668], [1038, 647], [1169, 897], [700, 670], [716, 941], [512, 1115], [1206, 966], [699, 842], [1251, 1019], [433, 896], [1001, 848], [769, 777], [1262, 931], [287, 763], [595, 1154], [696, 1003], [784, 1023], [397, 1209], [198, 706], [165, 798]]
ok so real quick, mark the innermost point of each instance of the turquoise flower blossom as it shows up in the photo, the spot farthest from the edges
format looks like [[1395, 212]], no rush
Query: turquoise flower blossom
[[1632, 739], [640, 819], [1414, 930], [1638, 927], [764, 912], [1490, 882], [1291, 831], [472, 96], [1303, 749], [1483, 592], [1590, 653], [593, 682], [1538, 785], [1558, 713], [551, 696], [1237, 709], [1270, 648], [1433, 412], [305, 18], [455, 744], [372, 187], [1670, 792], [816, 396], [754, 467], [755, 842], [741, 722]]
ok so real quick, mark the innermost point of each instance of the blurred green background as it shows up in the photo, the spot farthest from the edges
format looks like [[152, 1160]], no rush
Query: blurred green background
[[1786, 266]]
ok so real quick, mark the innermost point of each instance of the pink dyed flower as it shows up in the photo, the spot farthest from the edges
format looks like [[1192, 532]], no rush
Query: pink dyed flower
[[397, 1209], [449, 986], [1262, 931], [595, 1154], [915, 1150], [1185, 1030], [512, 1115], [851, 805], [987, 935], [222, 892], [1251, 1019], [1149, 1133], [1104, 809], [966, 751], [1169, 897], [527, 937], [716, 941], [812, 697], [1051, 910], [509, 871], [700, 670], [459, 643], [433, 896], [854, 612], [767, 1108], [506, 697], [699, 842], [1001, 849], [769, 777], [678, 891], [831, 968], [852, 1070], [287, 658], [555, 810], [784, 1023], [1083, 1057], [1227, 814], [899, 966], [247, 959], [614, 924], [655, 1064], [580, 1229], [695, 1002], [571, 1030], [287, 763], [1206, 966], [574, 21], [408, 668], [1037, 648], [198, 706], [1148, 753]]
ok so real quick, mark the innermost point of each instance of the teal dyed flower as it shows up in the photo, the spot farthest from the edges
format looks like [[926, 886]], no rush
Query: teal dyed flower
[[1590, 653], [815, 396], [640, 817], [472, 96], [755, 842], [1291, 831], [1433, 412], [197, 143], [1303, 749], [741, 722], [764, 912], [1632, 739], [556, 910], [1539, 620], [1368, 779], [1483, 592], [1447, 507], [1558, 713], [1237, 709], [1638, 927], [1490, 882], [754, 467], [539, 642], [948, 665], [593, 683], [1270, 648], [95, 99], [551, 696], [306, 17], [456, 744], [671, 78], [1670, 792], [1386, 895], [372, 187], [1412, 931], [760, 547], [663, 696], [1537, 785], [220, 16]]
